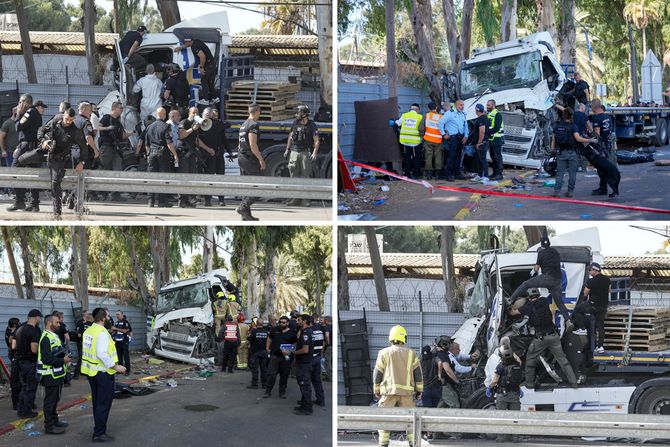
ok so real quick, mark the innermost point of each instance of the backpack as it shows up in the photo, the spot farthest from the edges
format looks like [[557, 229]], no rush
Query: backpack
[[429, 368], [514, 376], [563, 135]]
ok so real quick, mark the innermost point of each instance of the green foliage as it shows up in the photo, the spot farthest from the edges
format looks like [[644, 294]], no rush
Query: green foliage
[[312, 249], [488, 21], [50, 15]]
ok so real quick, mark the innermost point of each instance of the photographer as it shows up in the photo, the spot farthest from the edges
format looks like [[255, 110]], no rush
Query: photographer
[[52, 360]]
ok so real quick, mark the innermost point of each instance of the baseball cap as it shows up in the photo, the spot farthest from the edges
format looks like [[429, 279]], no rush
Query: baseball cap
[[34, 313], [479, 107], [431, 105], [142, 29], [596, 266], [40, 104]]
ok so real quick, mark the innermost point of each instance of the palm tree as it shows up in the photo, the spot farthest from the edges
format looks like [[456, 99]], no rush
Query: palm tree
[[289, 291], [642, 13]]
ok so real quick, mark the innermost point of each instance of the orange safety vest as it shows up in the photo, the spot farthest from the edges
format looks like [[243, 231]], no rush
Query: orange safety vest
[[432, 134], [231, 332]]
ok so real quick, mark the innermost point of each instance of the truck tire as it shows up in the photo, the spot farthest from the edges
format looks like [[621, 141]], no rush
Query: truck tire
[[276, 165], [661, 137], [479, 401], [655, 400]]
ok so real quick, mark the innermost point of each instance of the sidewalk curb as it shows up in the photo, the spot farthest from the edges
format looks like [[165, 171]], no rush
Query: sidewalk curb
[[64, 406]]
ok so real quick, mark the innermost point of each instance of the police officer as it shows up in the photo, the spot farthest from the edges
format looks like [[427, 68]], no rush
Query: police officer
[[187, 149], [83, 122], [121, 334], [279, 346], [211, 146], [302, 145], [27, 341], [15, 374], [111, 134], [507, 378], [231, 340], [243, 351], [603, 128], [64, 144], [397, 376], [129, 45], [258, 338], [545, 337], [206, 66], [52, 360], [64, 335], [160, 144], [100, 363], [249, 157], [28, 122], [495, 133], [304, 353], [318, 339], [176, 89]]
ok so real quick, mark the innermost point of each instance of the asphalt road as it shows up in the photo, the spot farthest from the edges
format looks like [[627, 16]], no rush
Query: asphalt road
[[641, 185], [137, 210], [217, 411]]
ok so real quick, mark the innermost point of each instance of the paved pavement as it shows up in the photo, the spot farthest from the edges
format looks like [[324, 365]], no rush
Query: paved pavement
[[138, 210], [216, 411], [639, 187]]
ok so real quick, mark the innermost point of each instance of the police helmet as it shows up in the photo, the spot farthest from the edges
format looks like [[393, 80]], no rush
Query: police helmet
[[549, 165], [443, 342], [533, 291], [302, 111]]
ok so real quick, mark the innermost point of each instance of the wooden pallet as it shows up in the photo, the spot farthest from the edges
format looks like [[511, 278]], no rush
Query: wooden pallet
[[263, 117], [265, 86], [638, 312]]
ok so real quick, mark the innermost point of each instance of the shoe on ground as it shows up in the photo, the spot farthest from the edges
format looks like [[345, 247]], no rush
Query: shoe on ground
[[450, 179], [32, 208], [252, 387], [164, 205], [303, 412], [208, 203], [598, 192], [556, 194], [103, 438], [462, 177], [599, 350], [496, 177], [17, 207], [320, 404], [55, 430], [282, 396], [222, 202], [568, 194]]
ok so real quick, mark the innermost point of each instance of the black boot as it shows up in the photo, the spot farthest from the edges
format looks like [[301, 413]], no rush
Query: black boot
[[17, 206]]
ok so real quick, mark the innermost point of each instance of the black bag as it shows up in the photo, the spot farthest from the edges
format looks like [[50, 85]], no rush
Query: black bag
[[563, 135], [429, 368]]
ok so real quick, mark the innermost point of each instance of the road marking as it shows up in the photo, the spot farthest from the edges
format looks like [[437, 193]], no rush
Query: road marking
[[473, 202]]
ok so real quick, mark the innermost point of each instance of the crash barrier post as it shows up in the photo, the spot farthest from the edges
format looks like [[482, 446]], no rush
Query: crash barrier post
[[173, 183], [460, 420]]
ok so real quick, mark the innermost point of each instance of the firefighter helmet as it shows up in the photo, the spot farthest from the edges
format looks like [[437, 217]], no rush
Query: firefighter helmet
[[232, 297], [220, 295], [398, 333]]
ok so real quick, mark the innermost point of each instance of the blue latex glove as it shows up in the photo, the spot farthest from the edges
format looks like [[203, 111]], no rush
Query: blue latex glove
[[489, 393], [391, 123], [521, 394], [124, 60]]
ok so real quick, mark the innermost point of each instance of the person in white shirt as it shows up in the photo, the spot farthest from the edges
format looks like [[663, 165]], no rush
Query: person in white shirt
[[151, 87], [457, 357]]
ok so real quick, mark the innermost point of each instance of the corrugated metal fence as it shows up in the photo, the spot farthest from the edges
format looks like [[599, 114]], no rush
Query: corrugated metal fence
[[422, 329], [54, 94], [348, 92], [14, 307]]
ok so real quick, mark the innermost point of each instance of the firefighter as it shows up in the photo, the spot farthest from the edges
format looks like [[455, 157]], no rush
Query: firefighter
[[397, 376], [52, 361], [243, 353], [234, 307], [220, 310], [231, 340]]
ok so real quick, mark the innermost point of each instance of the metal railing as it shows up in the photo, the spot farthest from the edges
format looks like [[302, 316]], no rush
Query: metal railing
[[507, 422], [172, 183]]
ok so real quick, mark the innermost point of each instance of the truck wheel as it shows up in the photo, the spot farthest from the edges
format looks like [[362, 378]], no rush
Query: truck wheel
[[655, 401], [276, 165], [327, 170], [479, 401], [661, 136]]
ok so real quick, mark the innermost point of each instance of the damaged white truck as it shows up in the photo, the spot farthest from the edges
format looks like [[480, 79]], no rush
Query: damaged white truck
[[523, 77], [183, 328]]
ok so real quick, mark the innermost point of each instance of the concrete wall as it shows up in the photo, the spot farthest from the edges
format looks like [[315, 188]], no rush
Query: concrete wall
[[349, 92], [422, 329]]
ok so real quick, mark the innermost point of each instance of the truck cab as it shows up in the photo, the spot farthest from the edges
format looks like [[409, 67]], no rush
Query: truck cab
[[183, 327], [523, 77]]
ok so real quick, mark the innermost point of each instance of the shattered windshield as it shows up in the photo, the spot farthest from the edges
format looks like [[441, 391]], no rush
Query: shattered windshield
[[478, 302], [194, 295], [522, 70]]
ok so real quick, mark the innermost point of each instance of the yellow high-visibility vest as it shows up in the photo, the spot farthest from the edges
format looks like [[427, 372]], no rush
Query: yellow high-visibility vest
[[49, 370], [90, 364], [493, 115], [409, 129]]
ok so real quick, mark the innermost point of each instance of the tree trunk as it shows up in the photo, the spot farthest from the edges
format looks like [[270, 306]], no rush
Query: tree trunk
[[12, 263], [324, 23], [90, 17], [447, 236], [78, 265], [269, 282], [508, 20], [252, 279], [158, 242], [644, 42], [546, 21], [169, 10], [633, 64], [83, 265], [566, 33], [466, 27], [377, 269], [139, 278], [26, 46], [453, 39], [342, 272], [422, 25], [534, 233], [117, 18], [208, 249], [27, 267], [390, 49], [318, 289]]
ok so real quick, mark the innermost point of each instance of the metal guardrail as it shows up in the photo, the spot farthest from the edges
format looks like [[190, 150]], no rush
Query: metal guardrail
[[173, 183], [498, 421]]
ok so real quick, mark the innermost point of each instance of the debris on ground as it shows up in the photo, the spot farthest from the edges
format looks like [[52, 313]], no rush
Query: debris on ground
[[32, 434], [28, 426], [155, 361], [171, 383], [206, 373]]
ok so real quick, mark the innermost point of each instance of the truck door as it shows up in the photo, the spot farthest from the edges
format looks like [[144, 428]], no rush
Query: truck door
[[123, 78], [497, 309]]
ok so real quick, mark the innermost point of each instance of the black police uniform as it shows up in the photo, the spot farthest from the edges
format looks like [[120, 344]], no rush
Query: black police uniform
[[257, 355], [279, 364], [215, 138], [188, 156], [122, 343], [304, 368], [15, 379], [178, 86], [159, 135], [318, 340], [249, 164], [110, 154], [69, 143], [603, 122], [29, 155], [80, 329], [54, 359], [126, 43], [84, 124], [207, 80], [27, 366]]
